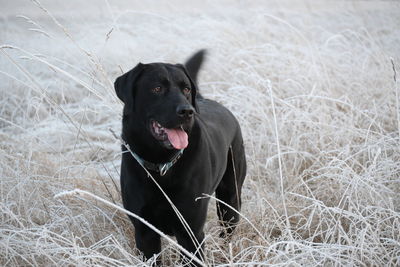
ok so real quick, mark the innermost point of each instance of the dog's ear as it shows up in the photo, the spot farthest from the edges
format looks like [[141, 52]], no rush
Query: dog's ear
[[194, 63], [125, 85], [193, 86]]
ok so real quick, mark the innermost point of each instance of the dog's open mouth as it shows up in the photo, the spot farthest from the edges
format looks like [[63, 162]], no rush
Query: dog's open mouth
[[171, 138]]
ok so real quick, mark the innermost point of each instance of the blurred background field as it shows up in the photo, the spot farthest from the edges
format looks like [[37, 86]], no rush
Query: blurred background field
[[311, 82]]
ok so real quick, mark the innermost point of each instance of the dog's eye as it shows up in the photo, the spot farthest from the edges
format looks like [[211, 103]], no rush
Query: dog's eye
[[157, 90], [186, 90]]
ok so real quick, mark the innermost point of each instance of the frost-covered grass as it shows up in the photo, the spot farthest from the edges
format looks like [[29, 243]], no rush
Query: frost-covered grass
[[311, 83]]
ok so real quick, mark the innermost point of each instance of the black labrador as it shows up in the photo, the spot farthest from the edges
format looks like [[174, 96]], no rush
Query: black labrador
[[190, 145]]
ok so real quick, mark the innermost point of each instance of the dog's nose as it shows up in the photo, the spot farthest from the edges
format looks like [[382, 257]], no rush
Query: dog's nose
[[185, 111]]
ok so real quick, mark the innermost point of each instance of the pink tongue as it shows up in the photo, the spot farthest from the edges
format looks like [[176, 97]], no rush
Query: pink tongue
[[178, 138]]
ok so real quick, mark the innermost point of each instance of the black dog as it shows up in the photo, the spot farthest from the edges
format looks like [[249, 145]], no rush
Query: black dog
[[189, 144]]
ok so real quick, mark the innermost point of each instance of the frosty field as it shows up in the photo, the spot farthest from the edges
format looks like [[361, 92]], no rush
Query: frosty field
[[314, 85]]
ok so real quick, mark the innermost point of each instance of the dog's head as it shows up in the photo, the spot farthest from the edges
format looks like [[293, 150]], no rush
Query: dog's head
[[163, 98]]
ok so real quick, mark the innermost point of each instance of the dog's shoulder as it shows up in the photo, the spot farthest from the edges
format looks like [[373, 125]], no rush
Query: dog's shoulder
[[215, 118]]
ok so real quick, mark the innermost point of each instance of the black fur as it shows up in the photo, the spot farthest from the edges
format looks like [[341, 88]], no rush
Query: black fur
[[213, 161]]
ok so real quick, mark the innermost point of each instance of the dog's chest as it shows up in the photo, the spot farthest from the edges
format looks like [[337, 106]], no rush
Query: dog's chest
[[158, 211]]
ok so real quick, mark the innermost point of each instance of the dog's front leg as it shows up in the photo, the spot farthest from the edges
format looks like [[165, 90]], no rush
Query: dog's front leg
[[147, 241], [195, 245]]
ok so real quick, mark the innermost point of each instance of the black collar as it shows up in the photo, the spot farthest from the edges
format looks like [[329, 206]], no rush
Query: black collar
[[162, 168]]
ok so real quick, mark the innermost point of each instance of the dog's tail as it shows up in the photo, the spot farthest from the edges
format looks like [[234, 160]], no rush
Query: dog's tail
[[194, 63]]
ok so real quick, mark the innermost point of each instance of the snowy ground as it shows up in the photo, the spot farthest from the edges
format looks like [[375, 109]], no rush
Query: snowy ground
[[311, 83]]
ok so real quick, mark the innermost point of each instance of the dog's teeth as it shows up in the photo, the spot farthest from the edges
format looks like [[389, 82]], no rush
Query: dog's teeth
[[159, 126]]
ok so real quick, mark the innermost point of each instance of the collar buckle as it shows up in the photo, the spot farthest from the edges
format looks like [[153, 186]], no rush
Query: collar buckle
[[163, 168]]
